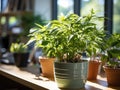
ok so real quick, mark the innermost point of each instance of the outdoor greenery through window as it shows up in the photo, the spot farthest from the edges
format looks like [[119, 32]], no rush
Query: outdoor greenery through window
[[116, 17], [65, 6], [97, 5]]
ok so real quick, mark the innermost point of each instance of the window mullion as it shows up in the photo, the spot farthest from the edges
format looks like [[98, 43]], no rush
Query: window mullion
[[108, 14]]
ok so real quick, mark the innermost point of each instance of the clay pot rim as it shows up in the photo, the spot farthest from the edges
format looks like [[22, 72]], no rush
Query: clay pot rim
[[109, 67]]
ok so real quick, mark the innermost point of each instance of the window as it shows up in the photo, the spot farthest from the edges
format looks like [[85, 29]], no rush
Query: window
[[82, 7], [0, 6], [3, 5], [65, 6], [116, 17], [97, 5]]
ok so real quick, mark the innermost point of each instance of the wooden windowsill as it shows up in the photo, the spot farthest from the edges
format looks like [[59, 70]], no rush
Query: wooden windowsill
[[29, 77]]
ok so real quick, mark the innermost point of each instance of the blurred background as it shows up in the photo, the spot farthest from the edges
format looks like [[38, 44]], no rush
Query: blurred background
[[17, 17]]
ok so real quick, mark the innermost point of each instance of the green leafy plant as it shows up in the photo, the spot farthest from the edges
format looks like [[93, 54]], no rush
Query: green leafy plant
[[111, 49], [69, 36], [28, 20], [18, 48]]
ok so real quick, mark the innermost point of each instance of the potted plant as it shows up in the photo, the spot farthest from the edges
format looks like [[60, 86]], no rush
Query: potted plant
[[93, 69], [111, 58], [66, 39], [46, 62], [94, 49], [47, 66], [20, 54]]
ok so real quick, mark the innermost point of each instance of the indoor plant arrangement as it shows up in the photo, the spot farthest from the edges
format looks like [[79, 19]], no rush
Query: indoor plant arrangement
[[66, 39], [20, 54], [111, 58]]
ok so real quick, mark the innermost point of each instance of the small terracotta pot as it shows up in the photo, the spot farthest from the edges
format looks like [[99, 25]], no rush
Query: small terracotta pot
[[47, 67], [93, 70], [113, 76]]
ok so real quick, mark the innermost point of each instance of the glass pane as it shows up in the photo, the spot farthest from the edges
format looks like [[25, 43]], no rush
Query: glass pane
[[3, 5], [96, 5], [116, 17], [65, 6]]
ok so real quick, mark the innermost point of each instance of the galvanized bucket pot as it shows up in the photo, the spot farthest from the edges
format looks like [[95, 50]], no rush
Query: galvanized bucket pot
[[71, 75]]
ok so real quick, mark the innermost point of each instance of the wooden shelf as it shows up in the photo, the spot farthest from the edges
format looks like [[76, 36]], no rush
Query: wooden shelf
[[6, 29], [15, 13], [27, 77]]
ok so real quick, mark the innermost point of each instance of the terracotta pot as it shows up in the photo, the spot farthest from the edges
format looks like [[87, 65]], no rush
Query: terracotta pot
[[113, 76], [47, 67], [93, 70]]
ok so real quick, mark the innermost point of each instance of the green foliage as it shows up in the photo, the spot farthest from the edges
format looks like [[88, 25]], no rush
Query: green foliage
[[69, 36], [18, 48], [112, 51], [28, 21]]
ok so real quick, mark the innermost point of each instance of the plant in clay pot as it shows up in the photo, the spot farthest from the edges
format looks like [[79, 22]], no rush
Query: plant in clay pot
[[39, 35], [94, 51], [111, 58], [20, 54], [66, 39]]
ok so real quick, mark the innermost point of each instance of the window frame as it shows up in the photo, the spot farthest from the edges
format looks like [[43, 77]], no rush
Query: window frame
[[108, 12]]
